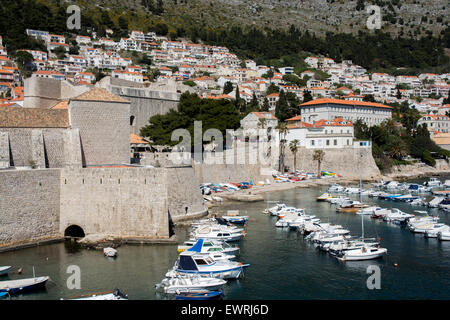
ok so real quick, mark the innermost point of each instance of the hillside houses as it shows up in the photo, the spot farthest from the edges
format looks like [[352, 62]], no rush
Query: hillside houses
[[339, 88]]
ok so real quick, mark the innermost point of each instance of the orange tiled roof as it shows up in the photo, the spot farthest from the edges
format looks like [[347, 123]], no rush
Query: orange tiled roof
[[344, 102], [296, 118], [33, 118], [63, 105], [135, 139], [261, 115], [98, 94]]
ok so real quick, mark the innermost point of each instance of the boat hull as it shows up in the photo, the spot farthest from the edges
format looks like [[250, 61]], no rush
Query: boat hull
[[214, 295], [17, 287], [4, 270], [232, 273], [361, 257]]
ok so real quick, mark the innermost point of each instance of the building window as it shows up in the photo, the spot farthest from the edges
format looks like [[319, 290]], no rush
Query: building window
[[312, 142], [328, 142], [335, 142]]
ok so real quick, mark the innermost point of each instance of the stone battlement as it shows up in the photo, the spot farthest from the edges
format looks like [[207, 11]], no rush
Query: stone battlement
[[127, 203]]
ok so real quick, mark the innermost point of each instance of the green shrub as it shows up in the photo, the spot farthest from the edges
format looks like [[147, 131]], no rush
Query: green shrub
[[428, 159]]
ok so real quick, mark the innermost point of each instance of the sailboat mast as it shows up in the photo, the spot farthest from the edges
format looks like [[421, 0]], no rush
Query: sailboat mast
[[360, 194]]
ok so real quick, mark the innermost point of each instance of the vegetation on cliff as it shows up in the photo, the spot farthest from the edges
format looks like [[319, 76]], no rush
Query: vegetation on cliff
[[395, 139], [374, 51]]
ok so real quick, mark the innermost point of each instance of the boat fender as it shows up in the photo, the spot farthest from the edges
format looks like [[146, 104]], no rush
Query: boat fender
[[239, 263]]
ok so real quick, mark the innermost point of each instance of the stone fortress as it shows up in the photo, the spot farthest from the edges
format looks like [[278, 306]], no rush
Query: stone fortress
[[65, 167]]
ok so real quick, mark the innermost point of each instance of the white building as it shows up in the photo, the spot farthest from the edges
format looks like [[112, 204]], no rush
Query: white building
[[324, 134], [370, 113], [435, 122]]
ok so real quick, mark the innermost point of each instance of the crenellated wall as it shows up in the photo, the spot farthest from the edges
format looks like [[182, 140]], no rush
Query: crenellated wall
[[126, 203]]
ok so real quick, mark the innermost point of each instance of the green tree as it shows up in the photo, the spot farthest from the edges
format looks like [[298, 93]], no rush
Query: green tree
[[318, 156], [228, 87], [265, 107], [293, 146], [60, 52], [307, 96], [282, 131], [273, 88], [282, 107], [214, 114]]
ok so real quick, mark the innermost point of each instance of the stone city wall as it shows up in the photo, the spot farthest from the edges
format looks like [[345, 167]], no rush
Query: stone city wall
[[183, 192], [29, 206], [341, 161], [51, 148], [123, 202]]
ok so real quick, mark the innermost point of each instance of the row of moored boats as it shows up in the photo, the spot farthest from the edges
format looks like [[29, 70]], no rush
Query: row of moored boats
[[331, 238], [207, 260]]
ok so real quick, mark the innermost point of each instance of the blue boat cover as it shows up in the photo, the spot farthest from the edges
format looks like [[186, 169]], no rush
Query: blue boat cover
[[197, 247], [187, 263]]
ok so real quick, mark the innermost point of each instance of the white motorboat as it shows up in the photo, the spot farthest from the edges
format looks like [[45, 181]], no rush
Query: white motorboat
[[234, 217], [339, 200], [374, 194], [211, 246], [391, 185], [352, 190], [324, 197], [369, 210], [4, 270], [113, 295], [444, 235], [433, 182], [415, 221], [191, 263], [188, 284], [444, 204], [335, 188], [438, 227], [215, 255], [397, 216], [434, 203], [110, 252], [424, 227], [276, 209], [447, 183], [290, 211], [217, 234]]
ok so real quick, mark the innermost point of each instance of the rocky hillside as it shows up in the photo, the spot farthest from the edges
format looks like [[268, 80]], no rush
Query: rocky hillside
[[404, 17], [413, 17]]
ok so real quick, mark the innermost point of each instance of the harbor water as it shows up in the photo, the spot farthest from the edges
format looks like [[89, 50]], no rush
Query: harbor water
[[282, 264]]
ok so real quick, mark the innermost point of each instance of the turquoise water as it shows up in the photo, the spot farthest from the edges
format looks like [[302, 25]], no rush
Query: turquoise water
[[283, 265]]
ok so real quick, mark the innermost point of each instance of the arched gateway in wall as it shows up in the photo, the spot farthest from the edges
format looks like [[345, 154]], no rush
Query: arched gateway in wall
[[74, 231]]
